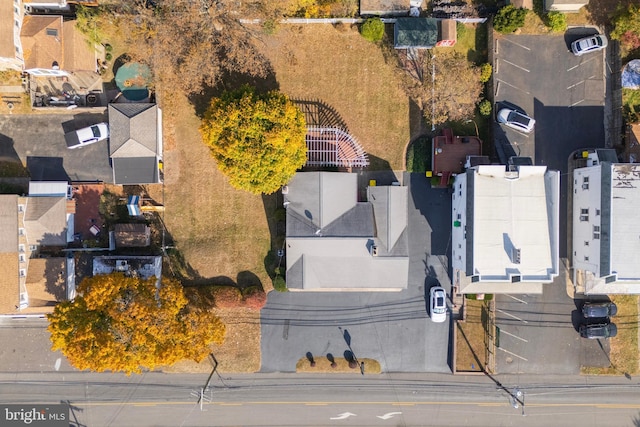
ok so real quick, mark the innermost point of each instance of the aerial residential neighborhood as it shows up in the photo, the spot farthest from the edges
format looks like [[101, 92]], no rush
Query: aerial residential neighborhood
[[319, 212]]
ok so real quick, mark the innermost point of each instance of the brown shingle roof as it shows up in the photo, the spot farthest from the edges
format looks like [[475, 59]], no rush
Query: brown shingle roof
[[8, 223], [39, 47], [132, 235], [46, 221], [7, 49], [9, 282]]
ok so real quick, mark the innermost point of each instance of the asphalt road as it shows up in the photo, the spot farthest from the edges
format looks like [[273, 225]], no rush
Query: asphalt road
[[38, 141], [156, 399]]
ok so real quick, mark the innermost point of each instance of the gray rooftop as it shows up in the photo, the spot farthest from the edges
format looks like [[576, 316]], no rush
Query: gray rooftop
[[335, 242], [46, 221], [8, 223]]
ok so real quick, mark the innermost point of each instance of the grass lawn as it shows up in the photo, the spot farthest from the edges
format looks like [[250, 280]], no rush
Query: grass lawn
[[322, 365], [352, 76], [624, 346], [471, 337]]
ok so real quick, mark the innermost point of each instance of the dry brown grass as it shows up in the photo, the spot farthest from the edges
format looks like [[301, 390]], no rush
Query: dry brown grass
[[623, 352], [471, 338], [220, 231], [343, 70], [240, 351]]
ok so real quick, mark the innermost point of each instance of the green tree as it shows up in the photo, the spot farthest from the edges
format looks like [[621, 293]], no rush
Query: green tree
[[485, 108], [452, 93], [509, 18], [128, 324], [258, 140], [626, 27], [555, 20], [485, 72], [372, 29]]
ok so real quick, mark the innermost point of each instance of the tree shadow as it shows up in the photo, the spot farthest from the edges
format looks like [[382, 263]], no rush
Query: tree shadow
[[232, 80]]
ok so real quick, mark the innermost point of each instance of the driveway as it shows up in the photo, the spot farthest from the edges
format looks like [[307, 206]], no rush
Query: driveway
[[390, 327], [38, 141]]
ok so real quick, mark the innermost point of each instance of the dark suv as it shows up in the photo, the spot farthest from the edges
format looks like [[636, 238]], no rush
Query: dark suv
[[599, 309], [600, 330]]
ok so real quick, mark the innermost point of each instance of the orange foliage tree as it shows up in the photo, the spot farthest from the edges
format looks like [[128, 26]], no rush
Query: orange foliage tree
[[128, 324]]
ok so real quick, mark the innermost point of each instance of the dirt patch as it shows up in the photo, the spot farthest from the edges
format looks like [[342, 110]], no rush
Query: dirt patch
[[472, 338]]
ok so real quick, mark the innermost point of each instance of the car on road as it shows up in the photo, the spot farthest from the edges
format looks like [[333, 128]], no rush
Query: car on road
[[589, 44], [516, 120], [599, 330], [599, 309], [438, 304], [87, 136]]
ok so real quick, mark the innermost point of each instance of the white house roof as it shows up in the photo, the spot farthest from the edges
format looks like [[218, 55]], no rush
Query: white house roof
[[514, 213], [48, 188]]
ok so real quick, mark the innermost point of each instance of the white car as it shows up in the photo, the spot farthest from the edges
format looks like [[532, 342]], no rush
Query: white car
[[88, 135], [589, 44], [516, 120], [438, 304]]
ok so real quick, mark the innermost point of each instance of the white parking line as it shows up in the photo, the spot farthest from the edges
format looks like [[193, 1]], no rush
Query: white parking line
[[511, 315], [515, 65], [513, 354], [576, 103], [517, 44], [517, 299], [515, 87], [574, 85], [502, 331]]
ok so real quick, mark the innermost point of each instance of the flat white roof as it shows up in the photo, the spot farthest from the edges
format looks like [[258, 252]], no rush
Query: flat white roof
[[625, 227], [511, 211]]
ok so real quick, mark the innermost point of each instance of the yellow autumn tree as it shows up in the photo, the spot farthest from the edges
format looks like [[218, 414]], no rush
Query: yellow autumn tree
[[128, 324], [257, 139]]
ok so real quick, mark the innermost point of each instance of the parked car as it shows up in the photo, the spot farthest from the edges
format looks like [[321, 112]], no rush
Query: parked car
[[599, 309], [87, 136], [599, 330], [438, 304], [589, 44], [516, 120]]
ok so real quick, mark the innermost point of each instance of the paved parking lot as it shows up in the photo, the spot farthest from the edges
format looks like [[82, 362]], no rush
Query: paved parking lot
[[390, 327], [38, 141], [538, 334], [565, 95]]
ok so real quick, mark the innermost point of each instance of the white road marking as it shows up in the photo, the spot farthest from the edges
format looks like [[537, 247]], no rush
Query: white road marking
[[343, 416], [515, 87], [502, 331], [517, 44], [517, 299], [515, 65], [576, 103], [388, 415], [513, 354], [573, 68], [511, 315]]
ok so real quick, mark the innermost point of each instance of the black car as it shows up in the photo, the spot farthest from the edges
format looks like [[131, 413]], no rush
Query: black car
[[599, 330], [599, 309]]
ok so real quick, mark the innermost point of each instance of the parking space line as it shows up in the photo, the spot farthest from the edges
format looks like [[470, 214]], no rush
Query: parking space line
[[515, 87], [513, 354], [515, 65], [517, 44], [511, 315], [576, 103], [573, 68], [502, 331], [517, 299], [574, 85]]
